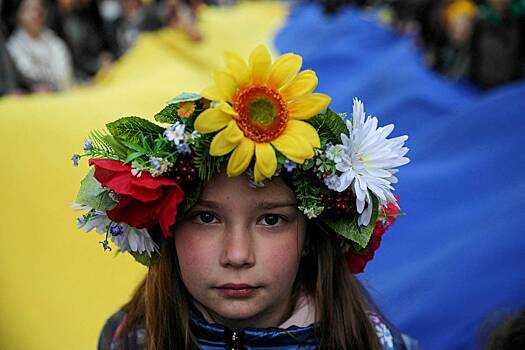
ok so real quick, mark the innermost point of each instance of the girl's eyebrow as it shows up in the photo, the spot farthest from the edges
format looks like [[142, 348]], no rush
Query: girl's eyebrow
[[261, 205]]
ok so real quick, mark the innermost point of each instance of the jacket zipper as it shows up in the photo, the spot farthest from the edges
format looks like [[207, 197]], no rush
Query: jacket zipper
[[235, 341]]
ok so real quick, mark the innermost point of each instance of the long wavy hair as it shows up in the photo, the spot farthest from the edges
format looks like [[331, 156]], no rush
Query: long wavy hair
[[161, 303]]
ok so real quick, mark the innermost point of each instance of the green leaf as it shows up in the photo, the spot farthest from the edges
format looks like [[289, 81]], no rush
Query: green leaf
[[329, 125], [349, 229], [133, 156], [185, 97], [133, 129], [93, 195], [108, 143], [168, 114], [144, 259]]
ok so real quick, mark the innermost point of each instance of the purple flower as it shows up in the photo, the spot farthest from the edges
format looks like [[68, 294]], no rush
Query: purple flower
[[184, 148], [105, 244], [156, 163], [289, 165], [88, 145], [332, 182], [116, 229], [75, 159], [81, 221]]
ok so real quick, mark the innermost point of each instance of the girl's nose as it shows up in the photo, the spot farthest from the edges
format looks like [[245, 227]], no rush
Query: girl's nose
[[237, 247]]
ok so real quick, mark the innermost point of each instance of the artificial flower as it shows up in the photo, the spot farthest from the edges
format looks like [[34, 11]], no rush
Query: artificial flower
[[186, 109], [387, 216], [144, 201], [262, 107], [75, 158], [129, 238], [367, 161], [175, 133], [87, 146]]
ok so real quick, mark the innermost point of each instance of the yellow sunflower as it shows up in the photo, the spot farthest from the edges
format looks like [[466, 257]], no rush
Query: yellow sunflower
[[262, 107]]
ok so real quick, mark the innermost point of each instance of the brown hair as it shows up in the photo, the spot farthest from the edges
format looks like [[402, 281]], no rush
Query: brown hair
[[162, 302]]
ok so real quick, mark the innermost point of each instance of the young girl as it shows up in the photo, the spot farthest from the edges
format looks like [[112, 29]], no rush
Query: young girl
[[252, 210]]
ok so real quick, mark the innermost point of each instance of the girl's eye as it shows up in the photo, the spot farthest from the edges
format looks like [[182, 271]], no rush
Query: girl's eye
[[205, 217], [271, 220]]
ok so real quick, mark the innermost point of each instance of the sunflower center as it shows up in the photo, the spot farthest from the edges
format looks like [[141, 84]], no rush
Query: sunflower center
[[262, 113]]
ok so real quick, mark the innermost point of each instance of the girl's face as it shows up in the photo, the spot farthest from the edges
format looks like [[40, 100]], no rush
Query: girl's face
[[239, 250]]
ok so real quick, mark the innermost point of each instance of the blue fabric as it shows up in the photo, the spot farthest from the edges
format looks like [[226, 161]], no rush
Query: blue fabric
[[458, 255]]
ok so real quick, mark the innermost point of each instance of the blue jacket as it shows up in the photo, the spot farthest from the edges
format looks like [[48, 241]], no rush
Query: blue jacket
[[217, 337]]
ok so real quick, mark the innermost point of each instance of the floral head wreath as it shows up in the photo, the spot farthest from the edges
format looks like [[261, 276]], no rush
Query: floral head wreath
[[264, 120]]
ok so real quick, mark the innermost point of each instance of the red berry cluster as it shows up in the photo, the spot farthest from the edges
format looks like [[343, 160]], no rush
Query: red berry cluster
[[184, 171], [339, 202]]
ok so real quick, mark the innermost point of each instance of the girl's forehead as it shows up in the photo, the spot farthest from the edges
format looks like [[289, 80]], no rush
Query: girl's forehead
[[239, 189]]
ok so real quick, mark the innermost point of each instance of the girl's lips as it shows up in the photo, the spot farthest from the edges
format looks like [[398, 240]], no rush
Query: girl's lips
[[231, 290]]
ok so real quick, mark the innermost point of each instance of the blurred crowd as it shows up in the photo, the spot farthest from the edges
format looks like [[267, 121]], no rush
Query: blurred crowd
[[482, 41], [49, 45]]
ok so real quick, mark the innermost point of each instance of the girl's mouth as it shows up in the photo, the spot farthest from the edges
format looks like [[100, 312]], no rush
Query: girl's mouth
[[232, 290]]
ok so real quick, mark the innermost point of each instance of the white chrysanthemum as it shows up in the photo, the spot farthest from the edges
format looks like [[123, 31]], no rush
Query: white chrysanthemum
[[367, 161], [126, 237], [134, 239]]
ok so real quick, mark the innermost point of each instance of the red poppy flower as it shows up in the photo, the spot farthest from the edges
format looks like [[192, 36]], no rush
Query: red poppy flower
[[145, 201]]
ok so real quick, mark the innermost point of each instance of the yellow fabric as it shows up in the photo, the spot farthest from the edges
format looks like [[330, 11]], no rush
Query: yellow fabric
[[57, 284]]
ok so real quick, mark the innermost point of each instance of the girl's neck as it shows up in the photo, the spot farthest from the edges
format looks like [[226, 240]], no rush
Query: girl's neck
[[302, 314]]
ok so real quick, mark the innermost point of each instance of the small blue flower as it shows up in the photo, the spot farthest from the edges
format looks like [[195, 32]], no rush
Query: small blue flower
[[332, 182], [75, 159], [156, 163], [289, 165], [81, 221], [88, 145], [184, 148], [116, 229], [105, 244]]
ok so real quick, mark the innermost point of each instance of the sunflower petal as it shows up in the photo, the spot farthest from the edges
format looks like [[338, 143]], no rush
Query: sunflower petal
[[304, 130], [226, 84], [240, 157], [307, 106], [212, 93], [226, 140], [211, 120], [226, 108], [259, 177], [238, 68], [260, 61], [293, 147], [304, 83], [266, 161], [284, 69]]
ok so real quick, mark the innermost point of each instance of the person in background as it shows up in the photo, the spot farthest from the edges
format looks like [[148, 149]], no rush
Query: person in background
[[135, 17], [498, 43], [182, 15], [454, 56], [41, 57], [78, 22]]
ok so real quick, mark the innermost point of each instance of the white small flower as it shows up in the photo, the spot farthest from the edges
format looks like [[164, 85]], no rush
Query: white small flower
[[333, 152], [311, 213], [368, 160], [175, 133], [195, 135]]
